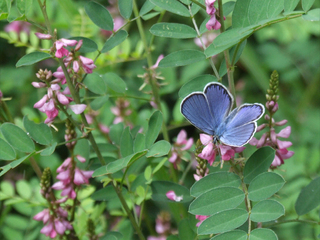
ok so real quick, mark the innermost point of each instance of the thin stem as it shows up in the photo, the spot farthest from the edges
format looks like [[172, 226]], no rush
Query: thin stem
[[203, 45], [35, 167], [230, 68], [152, 80], [6, 111], [126, 208], [185, 172]]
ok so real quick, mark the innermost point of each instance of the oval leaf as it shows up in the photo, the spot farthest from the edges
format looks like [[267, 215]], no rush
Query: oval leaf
[[172, 6], [95, 83], [32, 58], [24, 189], [160, 188], [115, 82], [17, 138], [125, 8], [196, 84], [154, 127], [182, 58], [126, 143], [97, 103], [312, 15], [263, 234], [159, 149], [264, 186], [88, 45], [290, 5], [306, 4], [99, 15], [234, 235], [49, 150], [266, 211], [216, 200], [6, 151], [41, 133], [215, 180], [223, 221], [114, 41], [173, 30], [309, 197], [258, 162]]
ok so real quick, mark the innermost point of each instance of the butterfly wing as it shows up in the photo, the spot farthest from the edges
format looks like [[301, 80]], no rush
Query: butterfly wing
[[220, 102], [240, 126], [195, 108]]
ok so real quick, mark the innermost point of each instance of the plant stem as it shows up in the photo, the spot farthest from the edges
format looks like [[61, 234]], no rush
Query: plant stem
[[203, 46], [230, 68], [152, 80]]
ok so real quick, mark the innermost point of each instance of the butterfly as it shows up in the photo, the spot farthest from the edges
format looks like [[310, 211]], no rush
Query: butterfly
[[210, 111]]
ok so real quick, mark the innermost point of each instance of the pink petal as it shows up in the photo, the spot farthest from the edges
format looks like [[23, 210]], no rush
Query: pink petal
[[80, 158], [78, 108], [39, 84], [285, 133], [86, 61], [43, 36], [55, 87], [68, 42], [205, 139], [182, 136], [173, 157], [76, 66], [41, 102], [188, 145], [283, 144], [60, 228], [58, 186], [62, 99]]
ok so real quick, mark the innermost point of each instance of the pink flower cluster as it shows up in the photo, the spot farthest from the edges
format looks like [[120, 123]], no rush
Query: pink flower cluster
[[210, 150], [181, 144], [55, 223], [213, 23], [49, 104], [70, 176], [163, 226], [173, 196], [271, 138]]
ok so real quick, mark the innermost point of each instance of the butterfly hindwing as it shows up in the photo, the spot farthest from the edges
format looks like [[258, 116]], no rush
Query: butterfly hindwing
[[240, 125], [195, 108], [220, 102]]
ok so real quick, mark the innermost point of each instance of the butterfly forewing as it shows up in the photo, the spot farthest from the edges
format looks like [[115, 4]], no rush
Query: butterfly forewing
[[195, 108], [220, 102]]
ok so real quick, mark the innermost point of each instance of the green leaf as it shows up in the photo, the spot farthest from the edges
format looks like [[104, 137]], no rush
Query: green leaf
[[146, 7], [148, 173], [159, 165], [139, 142], [290, 5], [216, 200], [14, 164], [6, 151], [123, 162], [263, 234], [150, 15], [306, 4], [250, 12], [215, 180], [125, 8], [41, 133], [172, 6], [88, 45], [234, 235], [257, 163], [115, 82], [95, 83], [160, 188], [226, 40], [312, 15], [173, 30], [196, 84], [266, 210], [309, 197], [159, 149], [185, 231], [106, 194], [32, 58], [24, 189], [114, 41], [154, 127], [264, 186], [182, 58], [97, 103], [126, 143], [116, 132], [17, 138], [49, 150], [99, 15], [173, 237], [228, 8], [223, 221], [112, 236]]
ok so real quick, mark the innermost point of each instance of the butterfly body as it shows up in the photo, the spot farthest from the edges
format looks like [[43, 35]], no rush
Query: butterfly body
[[210, 111]]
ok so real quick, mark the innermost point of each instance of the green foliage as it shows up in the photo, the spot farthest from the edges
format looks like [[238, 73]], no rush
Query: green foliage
[[182, 58], [99, 15], [32, 58], [173, 30]]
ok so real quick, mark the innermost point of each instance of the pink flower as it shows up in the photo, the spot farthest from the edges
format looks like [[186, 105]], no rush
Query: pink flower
[[78, 108], [18, 26], [87, 64], [42, 216], [157, 62], [172, 196], [201, 218], [43, 36], [60, 44], [213, 23]]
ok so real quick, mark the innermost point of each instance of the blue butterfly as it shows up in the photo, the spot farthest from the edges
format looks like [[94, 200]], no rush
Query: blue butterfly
[[209, 111]]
